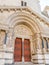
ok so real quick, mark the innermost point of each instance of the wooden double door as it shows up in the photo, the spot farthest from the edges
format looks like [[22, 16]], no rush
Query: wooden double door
[[22, 49]]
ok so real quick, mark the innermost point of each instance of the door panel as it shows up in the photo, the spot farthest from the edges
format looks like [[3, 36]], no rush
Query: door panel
[[18, 50], [27, 54]]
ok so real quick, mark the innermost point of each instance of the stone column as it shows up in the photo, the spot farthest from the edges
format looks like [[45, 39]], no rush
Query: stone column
[[47, 44], [0, 40], [9, 42], [6, 32], [39, 41], [33, 44], [45, 48]]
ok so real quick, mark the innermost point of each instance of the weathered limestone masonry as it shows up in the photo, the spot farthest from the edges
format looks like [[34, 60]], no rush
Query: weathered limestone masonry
[[24, 23]]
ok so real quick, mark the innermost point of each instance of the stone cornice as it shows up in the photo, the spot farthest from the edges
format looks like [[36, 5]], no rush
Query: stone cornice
[[27, 9]]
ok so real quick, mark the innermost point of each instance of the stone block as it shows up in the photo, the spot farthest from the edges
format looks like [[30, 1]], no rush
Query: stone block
[[8, 61], [1, 55], [40, 56], [46, 61], [34, 57], [46, 56], [8, 56], [41, 61], [2, 61]]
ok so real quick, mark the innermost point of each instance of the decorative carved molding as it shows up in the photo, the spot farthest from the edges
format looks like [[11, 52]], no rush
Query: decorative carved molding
[[27, 9]]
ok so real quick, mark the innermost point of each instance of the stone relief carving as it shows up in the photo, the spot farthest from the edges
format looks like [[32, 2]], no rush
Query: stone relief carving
[[22, 30], [2, 38]]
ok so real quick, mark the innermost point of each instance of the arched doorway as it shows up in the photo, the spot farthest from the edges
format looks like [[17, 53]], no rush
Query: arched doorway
[[22, 46], [24, 27]]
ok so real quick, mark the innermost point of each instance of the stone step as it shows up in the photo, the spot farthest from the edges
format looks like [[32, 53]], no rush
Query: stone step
[[21, 63], [25, 63]]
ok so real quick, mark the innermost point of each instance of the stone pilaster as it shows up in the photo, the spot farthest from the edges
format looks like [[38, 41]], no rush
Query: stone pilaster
[[2, 52], [9, 48]]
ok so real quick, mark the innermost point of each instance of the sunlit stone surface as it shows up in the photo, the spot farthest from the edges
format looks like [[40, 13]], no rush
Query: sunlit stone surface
[[26, 23]]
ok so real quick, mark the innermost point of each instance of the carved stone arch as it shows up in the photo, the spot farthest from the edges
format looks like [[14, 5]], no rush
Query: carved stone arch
[[26, 19], [25, 22], [21, 17]]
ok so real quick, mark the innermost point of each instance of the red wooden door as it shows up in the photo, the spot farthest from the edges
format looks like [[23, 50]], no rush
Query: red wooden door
[[27, 54], [18, 50]]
